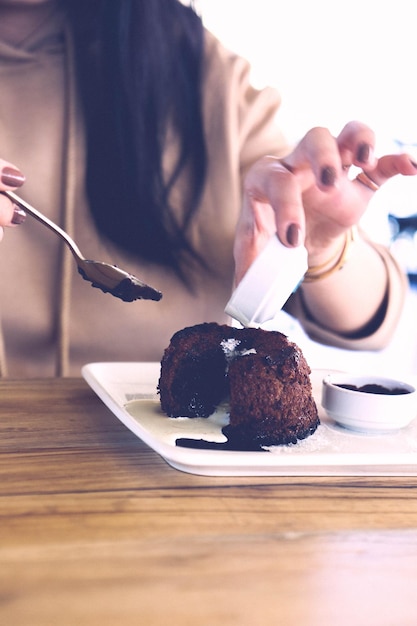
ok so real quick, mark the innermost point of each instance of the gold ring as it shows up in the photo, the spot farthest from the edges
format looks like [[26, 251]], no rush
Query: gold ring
[[368, 182]]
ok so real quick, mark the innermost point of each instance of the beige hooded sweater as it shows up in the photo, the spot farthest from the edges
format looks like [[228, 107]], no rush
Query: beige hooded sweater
[[53, 322]]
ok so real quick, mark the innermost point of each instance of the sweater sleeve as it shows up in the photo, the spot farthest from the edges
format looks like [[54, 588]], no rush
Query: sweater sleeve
[[240, 116], [380, 332]]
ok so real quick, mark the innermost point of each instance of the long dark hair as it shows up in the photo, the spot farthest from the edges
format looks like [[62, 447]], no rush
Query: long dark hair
[[139, 64]]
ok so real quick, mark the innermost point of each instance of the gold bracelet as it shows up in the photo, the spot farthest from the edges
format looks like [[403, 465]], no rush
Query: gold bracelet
[[316, 269], [315, 273], [364, 179]]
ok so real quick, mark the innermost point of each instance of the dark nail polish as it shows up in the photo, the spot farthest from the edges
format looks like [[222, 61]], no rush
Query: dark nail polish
[[328, 176], [294, 235], [12, 177], [413, 163], [363, 153], [19, 215]]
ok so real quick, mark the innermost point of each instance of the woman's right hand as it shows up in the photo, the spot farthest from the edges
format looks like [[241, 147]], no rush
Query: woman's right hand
[[10, 178]]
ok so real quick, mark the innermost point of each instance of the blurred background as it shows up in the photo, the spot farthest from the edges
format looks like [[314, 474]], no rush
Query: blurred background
[[333, 62]]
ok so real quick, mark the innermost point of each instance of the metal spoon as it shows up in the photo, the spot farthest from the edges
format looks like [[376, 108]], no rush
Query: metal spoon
[[108, 278]]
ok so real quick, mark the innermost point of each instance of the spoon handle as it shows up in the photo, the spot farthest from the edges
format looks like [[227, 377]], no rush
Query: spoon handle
[[46, 222], [108, 278]]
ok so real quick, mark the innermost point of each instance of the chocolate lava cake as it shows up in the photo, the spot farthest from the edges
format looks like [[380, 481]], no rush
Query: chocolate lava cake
[[264, 376]]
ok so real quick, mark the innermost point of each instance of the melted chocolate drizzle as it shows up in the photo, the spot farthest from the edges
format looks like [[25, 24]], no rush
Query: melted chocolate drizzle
[[236, 446]]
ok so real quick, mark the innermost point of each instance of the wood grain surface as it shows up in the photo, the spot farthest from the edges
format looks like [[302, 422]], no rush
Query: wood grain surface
[[96, 529]]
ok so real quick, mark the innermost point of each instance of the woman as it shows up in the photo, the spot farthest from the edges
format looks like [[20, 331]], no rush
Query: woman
[[137, 131]]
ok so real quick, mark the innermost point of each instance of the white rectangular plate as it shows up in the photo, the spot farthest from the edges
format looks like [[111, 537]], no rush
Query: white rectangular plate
[[129, 390]]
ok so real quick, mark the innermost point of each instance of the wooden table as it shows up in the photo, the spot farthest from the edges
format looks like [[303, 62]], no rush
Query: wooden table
[[96, 529]]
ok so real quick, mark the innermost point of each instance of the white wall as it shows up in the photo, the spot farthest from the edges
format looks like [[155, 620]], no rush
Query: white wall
[[331, 60]]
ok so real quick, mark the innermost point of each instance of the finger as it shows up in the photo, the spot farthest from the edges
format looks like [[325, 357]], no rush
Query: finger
[[270, 183], [271, 205], [7, 211], [10, 176], [316, 159], [391, 165], [356, 144]]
